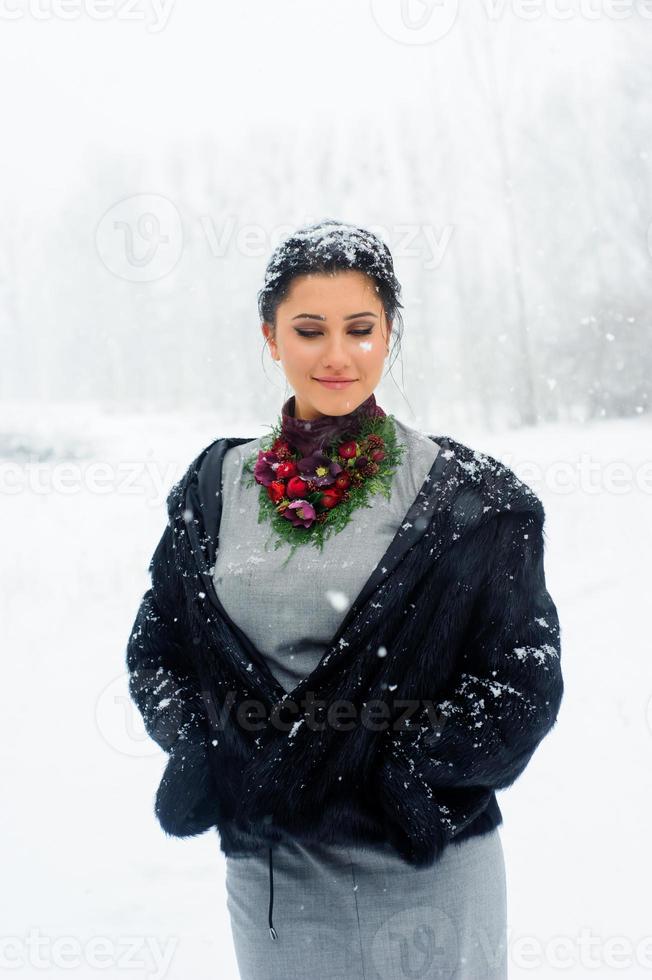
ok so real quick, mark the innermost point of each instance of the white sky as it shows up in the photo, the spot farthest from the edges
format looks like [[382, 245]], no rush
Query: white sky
[[72, 84]]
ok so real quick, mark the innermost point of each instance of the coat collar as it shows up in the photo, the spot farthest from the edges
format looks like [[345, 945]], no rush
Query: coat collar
[[463, 489]]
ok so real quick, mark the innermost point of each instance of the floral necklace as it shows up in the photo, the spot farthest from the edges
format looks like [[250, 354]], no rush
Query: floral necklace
[[314, 473]]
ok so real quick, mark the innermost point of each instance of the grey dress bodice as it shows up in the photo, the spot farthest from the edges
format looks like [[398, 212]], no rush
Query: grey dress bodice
[[291, 614]]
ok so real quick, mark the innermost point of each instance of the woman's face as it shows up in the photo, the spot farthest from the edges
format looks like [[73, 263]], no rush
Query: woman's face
[[330, 326]]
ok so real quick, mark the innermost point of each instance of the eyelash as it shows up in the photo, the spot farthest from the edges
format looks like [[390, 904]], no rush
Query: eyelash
[[317, 333]]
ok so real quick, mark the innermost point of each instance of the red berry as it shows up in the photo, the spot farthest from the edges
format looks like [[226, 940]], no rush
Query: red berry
[[297, 487], [330, 499], [285, 470]]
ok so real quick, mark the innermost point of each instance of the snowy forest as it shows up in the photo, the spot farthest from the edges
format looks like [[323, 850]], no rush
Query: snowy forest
[[512, 182]]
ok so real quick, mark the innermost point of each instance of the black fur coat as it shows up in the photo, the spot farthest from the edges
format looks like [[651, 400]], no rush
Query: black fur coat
[[446, 672]]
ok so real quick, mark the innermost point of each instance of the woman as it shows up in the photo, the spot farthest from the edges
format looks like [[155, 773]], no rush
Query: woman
[[393, 582]]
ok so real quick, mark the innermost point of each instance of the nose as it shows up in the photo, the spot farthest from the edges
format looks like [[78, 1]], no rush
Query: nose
[[335, 357]]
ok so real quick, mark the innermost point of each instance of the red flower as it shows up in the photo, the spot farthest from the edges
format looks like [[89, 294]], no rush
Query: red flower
[[343, 482], [347, 450], [330, 499], [282, 448], [297, 487], [276, 491], [377, 455]]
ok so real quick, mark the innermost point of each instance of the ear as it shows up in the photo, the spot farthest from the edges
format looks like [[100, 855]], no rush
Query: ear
[[268, 333]]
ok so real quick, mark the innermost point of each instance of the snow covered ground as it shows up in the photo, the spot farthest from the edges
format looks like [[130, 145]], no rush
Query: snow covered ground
[[91, 885]]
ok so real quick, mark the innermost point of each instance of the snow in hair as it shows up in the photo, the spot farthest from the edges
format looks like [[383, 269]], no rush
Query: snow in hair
[[329, 244]]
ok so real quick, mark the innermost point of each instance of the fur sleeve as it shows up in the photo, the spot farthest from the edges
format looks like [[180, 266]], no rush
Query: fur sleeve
[[162, 681], [500, 703]]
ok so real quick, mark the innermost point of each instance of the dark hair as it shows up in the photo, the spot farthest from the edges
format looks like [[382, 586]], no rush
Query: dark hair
[[328, 246]]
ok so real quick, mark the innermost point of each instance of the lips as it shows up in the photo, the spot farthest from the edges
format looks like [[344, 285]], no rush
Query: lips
[[336, 382]]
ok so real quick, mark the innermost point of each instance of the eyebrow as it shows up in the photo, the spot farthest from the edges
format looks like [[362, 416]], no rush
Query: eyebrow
[[313, 316]]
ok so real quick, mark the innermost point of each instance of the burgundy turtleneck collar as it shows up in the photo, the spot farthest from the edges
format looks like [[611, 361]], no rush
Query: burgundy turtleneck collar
[[311, 435]]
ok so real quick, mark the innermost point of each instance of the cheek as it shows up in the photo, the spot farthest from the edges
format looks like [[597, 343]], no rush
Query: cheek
[[371, 352], [299, 354], [368, 347]]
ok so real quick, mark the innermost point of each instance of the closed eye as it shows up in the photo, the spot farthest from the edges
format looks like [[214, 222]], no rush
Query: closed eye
[[318, 333]]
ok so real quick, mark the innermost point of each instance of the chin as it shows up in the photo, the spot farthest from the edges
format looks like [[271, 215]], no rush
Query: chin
[[336, 402], [332, 401]]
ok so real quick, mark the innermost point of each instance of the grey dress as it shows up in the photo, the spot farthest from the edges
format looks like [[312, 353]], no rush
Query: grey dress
[[344, 912]]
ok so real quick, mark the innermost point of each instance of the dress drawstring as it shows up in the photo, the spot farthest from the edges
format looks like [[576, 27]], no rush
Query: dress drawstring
[[272, 931]]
